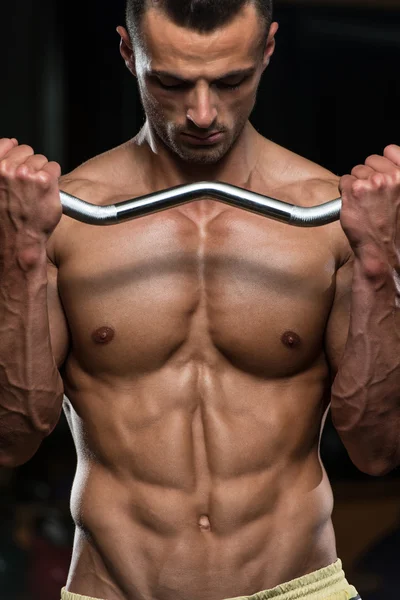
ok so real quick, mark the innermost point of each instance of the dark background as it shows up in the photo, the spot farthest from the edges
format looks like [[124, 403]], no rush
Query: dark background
[[332, 94]]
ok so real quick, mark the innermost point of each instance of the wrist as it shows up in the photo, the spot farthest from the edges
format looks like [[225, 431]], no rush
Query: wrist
[[32, 257], [25, 252], [372, 262]]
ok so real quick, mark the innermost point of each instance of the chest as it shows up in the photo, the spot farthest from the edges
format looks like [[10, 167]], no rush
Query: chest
[[202, 277]]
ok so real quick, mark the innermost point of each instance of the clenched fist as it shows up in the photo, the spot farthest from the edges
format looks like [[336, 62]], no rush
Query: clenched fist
[[370, 215], [30, 206]]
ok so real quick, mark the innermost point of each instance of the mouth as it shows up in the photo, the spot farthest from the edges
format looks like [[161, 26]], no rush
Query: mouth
[[208, 140]]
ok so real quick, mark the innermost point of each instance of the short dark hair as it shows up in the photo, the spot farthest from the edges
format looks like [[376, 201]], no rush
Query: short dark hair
[[203, 16]]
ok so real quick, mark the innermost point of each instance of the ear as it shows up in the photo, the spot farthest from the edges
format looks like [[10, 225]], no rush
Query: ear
[[270, 45], [126, 50]]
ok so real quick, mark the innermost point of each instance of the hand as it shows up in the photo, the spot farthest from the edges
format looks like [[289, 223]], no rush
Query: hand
[[370, 214], [30, 206]]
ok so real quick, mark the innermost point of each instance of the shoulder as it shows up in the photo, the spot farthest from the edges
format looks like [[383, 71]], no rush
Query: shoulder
[[306, 182], [105, 179], [301, 182]]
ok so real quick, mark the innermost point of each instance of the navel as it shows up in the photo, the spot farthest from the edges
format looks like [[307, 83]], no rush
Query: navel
[[290, 339], [204, 523], [104, 335]]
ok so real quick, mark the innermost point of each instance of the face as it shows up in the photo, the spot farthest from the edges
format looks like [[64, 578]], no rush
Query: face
[[198, 90]]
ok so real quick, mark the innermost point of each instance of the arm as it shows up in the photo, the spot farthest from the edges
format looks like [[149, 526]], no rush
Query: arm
[[31, 389], [366, 391], [363, 335]]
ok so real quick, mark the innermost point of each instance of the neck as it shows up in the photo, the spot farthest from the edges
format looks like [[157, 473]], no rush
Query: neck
[[168, 170]]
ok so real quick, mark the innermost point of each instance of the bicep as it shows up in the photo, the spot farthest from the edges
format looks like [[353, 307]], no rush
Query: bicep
[[59, 334], [339, 320]]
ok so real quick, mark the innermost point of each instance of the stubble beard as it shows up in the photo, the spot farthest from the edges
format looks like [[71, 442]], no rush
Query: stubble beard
[[170, 135]]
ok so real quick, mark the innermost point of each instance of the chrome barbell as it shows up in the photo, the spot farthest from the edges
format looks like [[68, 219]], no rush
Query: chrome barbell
[[271, 208]]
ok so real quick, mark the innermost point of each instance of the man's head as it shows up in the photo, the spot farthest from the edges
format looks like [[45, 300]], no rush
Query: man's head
[[198, 65], [203, 16]]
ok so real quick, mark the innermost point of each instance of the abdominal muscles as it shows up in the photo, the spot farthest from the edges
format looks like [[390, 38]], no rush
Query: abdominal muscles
[[200, 482], [196, 409]]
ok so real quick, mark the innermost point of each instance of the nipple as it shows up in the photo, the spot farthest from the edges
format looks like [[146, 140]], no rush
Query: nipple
[[204, 523], [291, 339], [104, 335]]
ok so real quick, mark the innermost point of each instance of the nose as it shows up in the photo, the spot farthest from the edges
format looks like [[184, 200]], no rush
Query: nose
[[202, 110]]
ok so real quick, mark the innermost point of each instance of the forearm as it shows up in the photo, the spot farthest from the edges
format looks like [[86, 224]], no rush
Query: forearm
[[366, 391], [31, 390]]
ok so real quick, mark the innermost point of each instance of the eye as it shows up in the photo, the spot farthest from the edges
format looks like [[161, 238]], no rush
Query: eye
[[228, 85], [171, 86]]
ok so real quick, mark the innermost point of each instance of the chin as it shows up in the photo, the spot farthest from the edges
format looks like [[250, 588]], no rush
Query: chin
[[210, 156], [202, 159]]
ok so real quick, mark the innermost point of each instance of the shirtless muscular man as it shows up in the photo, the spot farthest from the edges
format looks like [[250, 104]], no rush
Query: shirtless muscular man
[[196, 351]]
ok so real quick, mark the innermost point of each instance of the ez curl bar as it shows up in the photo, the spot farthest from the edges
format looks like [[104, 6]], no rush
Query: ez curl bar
[[152, 203]]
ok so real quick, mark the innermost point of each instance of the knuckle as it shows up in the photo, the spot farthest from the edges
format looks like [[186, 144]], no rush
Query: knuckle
[[7, 169], [22, 171], [357, 189], [396, 177], [379, 180], [44, 179], [345, 181]]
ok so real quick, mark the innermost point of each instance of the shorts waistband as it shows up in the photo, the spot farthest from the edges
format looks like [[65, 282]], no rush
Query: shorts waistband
[[328, 583]]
